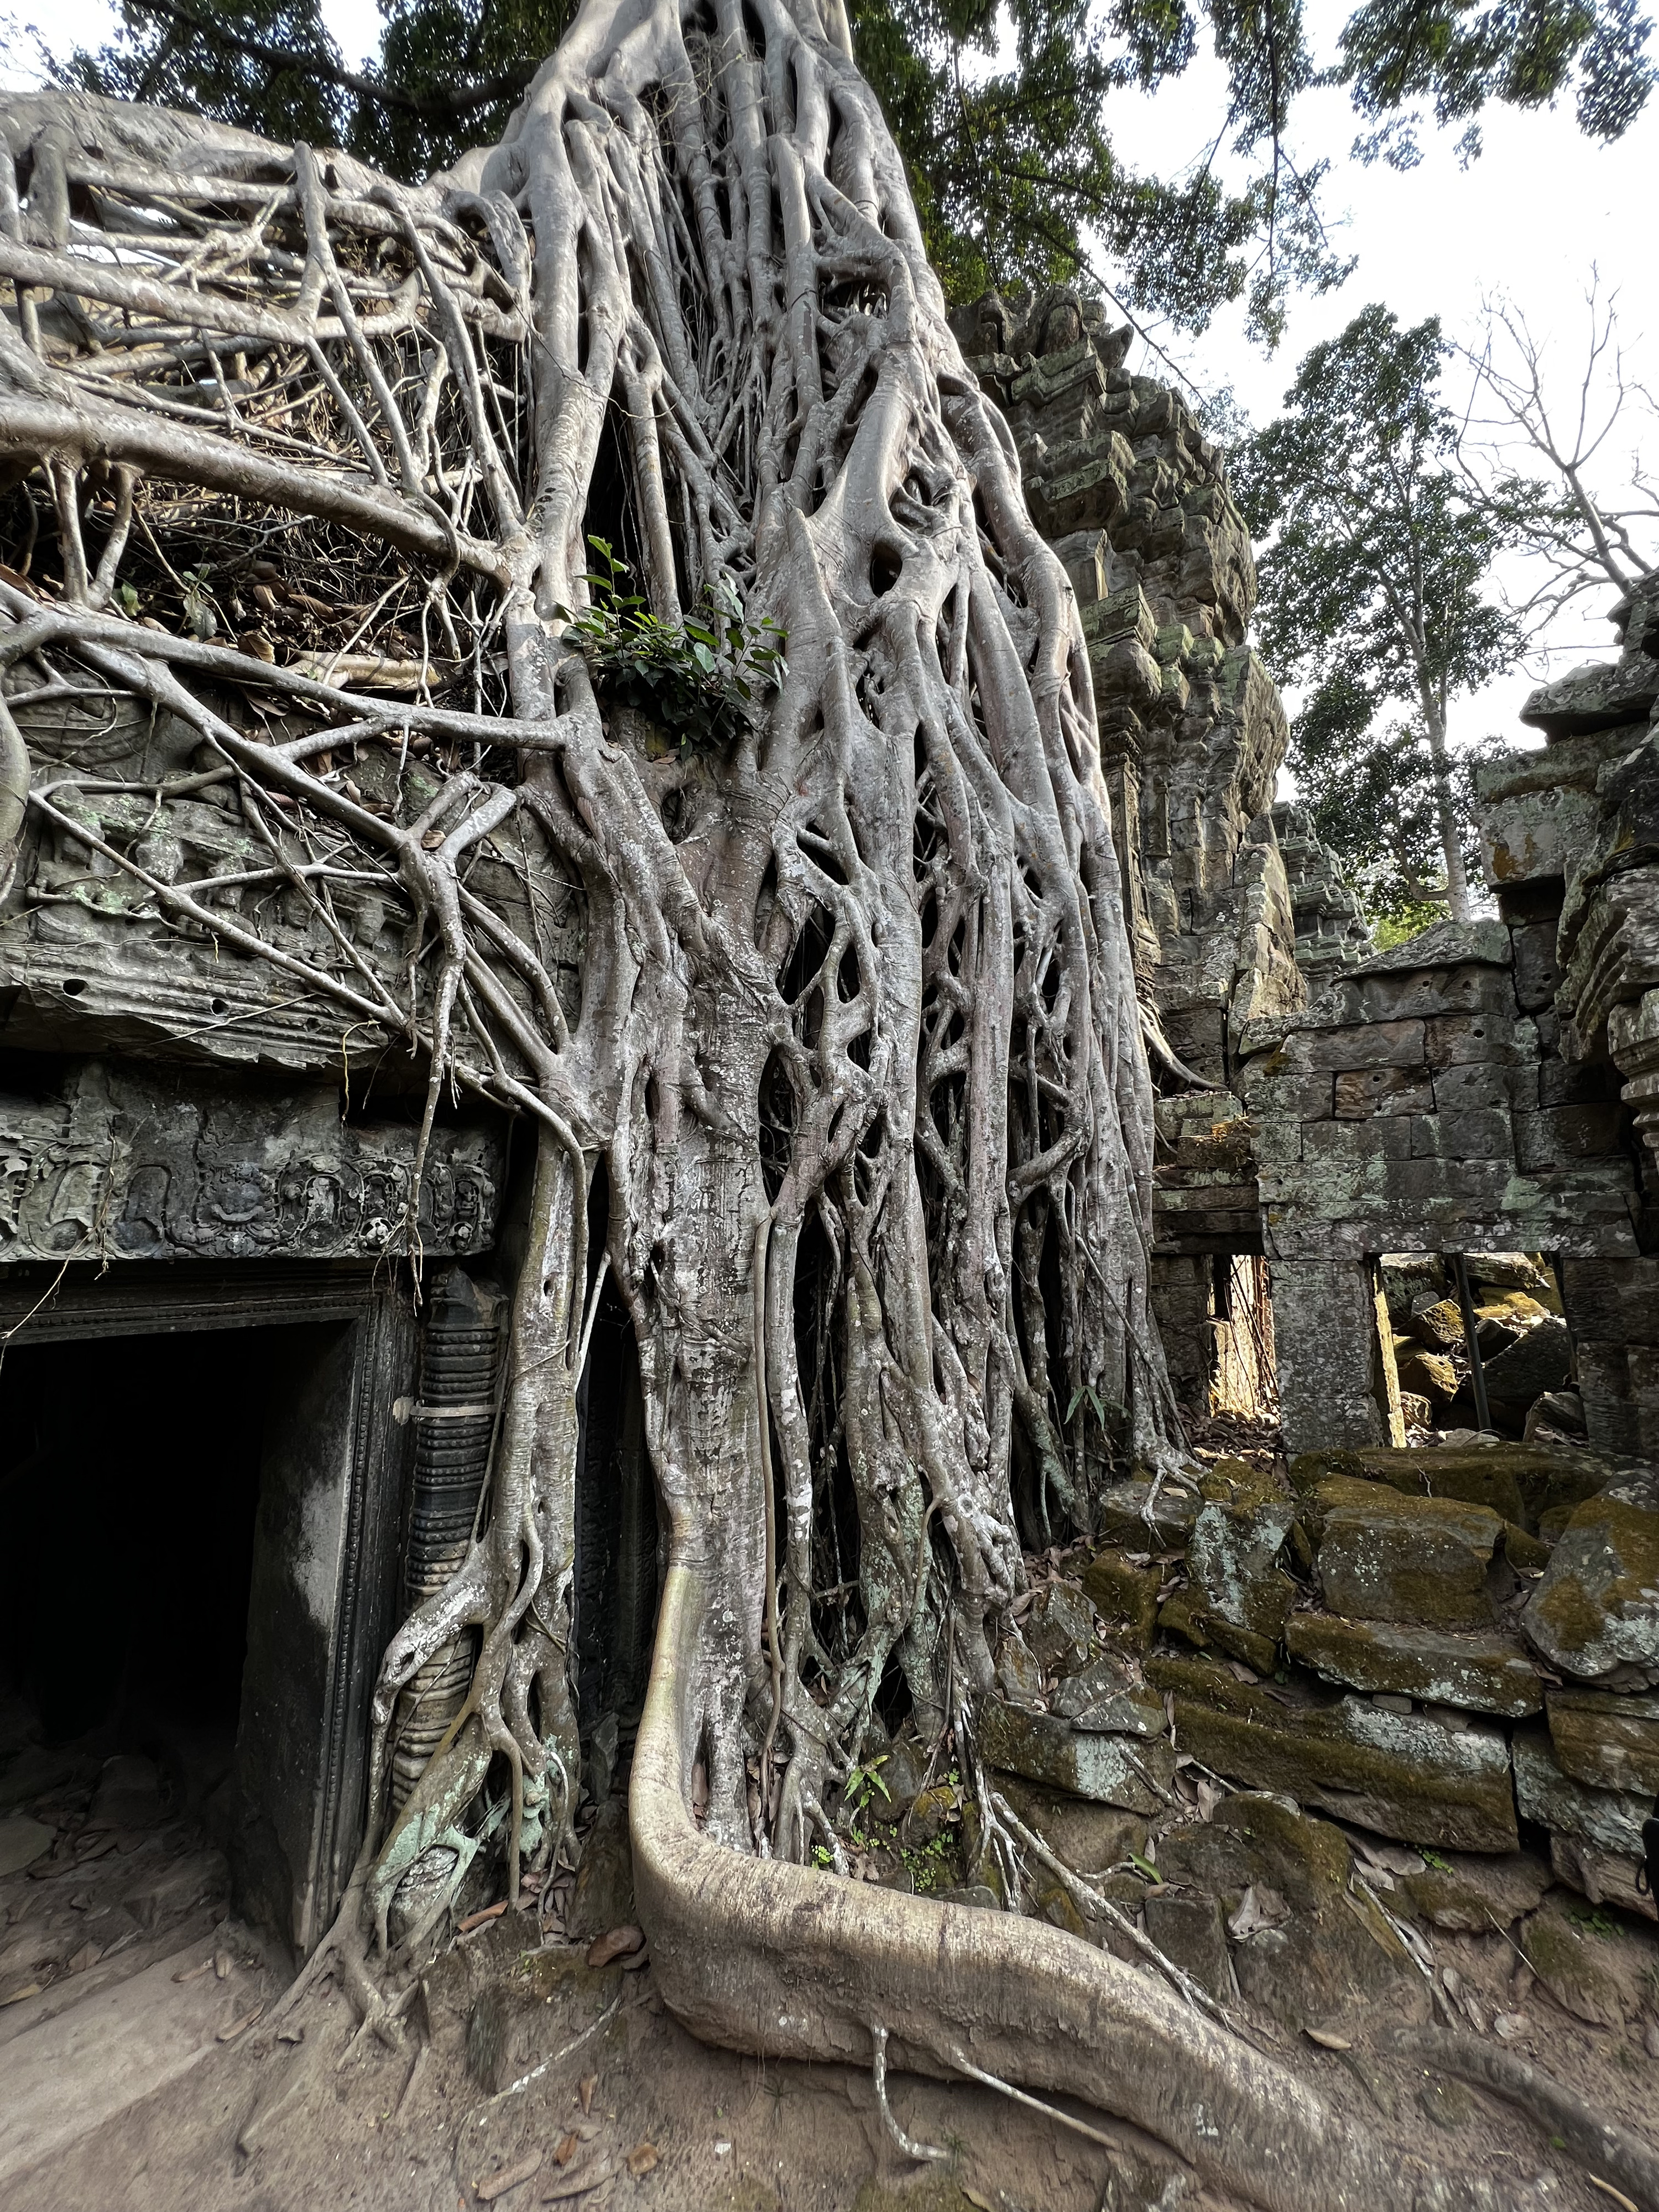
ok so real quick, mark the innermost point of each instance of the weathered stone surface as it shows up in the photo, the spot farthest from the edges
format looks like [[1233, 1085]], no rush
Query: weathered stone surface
[[1470, 1896], [1480, 1672], [1125, 1596], [1439, 1326], [1595, 1611], [1091, 1702], [1324, 1327], [1610, 1819], [1400, 1558], [603, 1896], [1127, 1515], [1519, 1483], [1603, 1876], [1187, 1926], [1608, 1738], [1430, 1375], [1317, 1950], [1507, 1271], [1566, 1961], [1060, 1629], [1091, 1838], [1423, 1780], [1110, 1769], [1539, 1360], [113, 1161], [1599, 695], [1232, 1563]]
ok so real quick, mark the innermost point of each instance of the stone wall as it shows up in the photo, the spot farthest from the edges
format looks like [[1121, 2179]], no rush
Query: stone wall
[[1490, 1086]]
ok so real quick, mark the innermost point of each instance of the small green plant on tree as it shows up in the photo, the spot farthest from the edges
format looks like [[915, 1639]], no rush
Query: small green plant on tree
[[697, 680]]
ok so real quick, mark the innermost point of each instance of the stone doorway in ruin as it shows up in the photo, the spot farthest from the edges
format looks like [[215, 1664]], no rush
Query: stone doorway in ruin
[[1242, 1373], [202, 1496]]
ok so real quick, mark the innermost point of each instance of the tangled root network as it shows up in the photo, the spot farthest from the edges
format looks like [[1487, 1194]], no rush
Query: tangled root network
[[853, 1034]]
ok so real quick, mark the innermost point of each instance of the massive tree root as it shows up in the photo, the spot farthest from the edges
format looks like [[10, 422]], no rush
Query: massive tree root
[[854, 1033]]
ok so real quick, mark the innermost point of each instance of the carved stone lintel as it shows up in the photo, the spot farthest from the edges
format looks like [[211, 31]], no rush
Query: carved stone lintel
[[131, 1162]]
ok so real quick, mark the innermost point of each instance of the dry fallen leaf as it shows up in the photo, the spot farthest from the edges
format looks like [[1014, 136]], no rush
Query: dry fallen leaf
[[28, 1990], [616, 1943], [1326, 2041], [641, 2159], [221, 1964], [579, 2182], [477, 1919], [87, 1955], [508, 2178], [584, 2090], [194, 1973], [568, 2145], [229, 2034], [973, 2197]]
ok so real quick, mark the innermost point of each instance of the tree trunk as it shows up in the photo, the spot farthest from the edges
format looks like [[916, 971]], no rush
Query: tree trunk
[[1445, 807]]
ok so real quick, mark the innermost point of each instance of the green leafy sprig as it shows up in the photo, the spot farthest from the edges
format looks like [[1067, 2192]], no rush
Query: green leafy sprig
[[697, 680]]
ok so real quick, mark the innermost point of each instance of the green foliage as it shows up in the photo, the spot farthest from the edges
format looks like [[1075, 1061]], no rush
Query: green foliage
[[1373, 599], [216, 57], [1401, 58], [699, 680], [930, 1865], [1407, 919], [859, 1784], [999, 109], [1594, 1919], [448, 75]]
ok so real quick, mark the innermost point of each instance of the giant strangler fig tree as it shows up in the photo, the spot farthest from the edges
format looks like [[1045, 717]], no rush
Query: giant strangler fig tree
[[854, 1036]]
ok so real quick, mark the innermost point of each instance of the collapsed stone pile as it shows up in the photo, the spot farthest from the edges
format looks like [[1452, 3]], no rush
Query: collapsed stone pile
[[1525, 1348], [1293, 1724]]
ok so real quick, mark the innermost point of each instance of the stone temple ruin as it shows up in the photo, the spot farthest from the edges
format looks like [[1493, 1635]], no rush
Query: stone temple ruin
[[1435, 1617], [1407, 1199]]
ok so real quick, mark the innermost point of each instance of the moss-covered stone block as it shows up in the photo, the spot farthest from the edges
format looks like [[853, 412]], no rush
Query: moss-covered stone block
[[1610, 1819], [1125, 1596], [1467, 1895], [1607, 1738], [1329, 1951], [1596, 1611], [1090, 1838], [1425, 1780], [1128, 1771], [1128, 1515], [1400, 1558], [1519, 1482], [1480, 1671]]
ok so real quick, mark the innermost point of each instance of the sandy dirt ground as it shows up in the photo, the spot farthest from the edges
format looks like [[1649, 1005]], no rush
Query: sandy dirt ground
[[591, 2095]]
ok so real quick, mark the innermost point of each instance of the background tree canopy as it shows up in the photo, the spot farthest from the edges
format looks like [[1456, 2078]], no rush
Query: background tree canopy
[[998, 106], [1375, 598]]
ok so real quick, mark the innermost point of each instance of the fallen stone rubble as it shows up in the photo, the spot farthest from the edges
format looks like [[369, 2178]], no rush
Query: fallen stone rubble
[[1303, 1724]]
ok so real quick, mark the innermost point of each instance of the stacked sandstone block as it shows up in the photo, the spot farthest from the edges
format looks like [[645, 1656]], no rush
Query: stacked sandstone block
[[1451, 1656]]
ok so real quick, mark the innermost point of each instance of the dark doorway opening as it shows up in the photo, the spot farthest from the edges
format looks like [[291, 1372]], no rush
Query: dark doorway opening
[[129, 1487]]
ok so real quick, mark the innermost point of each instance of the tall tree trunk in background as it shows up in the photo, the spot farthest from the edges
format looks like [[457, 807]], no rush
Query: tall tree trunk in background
[[1445, 806]]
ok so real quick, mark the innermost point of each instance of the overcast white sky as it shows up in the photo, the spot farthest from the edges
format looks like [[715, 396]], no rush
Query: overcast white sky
[[1527, 221]]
